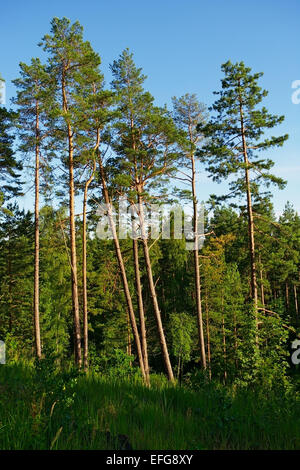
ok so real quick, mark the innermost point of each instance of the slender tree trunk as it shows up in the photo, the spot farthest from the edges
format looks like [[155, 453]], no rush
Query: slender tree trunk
[[141, 307], [224, 349], [235, 341], [10, 283], [123, 271], [178, 366], [162, 339], [128, 348], [74, 256], [38, 348], [74, 277], [208, 334], [196, 267], [224, 342], [262, 291], [287, 300], [250, 223], [84, 278], [296, 299]]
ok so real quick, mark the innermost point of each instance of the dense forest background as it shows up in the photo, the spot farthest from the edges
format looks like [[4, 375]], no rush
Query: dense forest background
[[122, 307]]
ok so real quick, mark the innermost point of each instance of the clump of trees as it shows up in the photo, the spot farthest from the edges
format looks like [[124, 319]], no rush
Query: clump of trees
[[228, 309]]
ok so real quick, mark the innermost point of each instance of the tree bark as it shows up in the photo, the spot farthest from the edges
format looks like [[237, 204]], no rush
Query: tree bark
[[250, 222], [208, 335], [262, 291], [141, 308], [296, 299], [287, 300], [224, 349], [128, 348], [37, 333], [74, 277]]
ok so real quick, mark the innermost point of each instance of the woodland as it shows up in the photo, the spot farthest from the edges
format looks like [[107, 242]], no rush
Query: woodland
[[133, 342]]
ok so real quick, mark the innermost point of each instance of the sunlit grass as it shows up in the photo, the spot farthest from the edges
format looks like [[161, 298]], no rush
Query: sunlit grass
[[94, 412]]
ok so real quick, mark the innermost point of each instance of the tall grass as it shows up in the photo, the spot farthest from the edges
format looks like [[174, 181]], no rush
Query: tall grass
[[65, 411]]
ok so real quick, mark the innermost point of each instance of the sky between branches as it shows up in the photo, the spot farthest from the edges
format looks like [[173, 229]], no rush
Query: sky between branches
[[180, 45]]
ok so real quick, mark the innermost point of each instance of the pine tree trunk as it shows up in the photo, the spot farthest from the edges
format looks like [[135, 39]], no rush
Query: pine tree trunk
[[235, 341], [141, 308], [287, 300], [128, 348], [296, 299], [196, 268], [162, 339], [224, 342], [123, 271], [84, 278], [74, 277], [262, 291], [10, 283], [38, 348], [250, 223], [208, 334]]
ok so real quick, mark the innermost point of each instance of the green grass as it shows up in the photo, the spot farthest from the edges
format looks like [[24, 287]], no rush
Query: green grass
[[43, 411]]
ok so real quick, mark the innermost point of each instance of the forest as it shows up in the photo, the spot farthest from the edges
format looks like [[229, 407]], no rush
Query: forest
[[112, 340]]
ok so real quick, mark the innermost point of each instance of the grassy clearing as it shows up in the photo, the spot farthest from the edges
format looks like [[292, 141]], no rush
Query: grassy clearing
[[62, 411]]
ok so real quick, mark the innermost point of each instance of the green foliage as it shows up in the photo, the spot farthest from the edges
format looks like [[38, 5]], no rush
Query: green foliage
[[10, 165], [223, 152], [246, 398], [181, 327], [94, 412]]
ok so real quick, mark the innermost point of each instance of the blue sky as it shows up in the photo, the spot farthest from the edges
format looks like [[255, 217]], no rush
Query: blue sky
[[180, 44]]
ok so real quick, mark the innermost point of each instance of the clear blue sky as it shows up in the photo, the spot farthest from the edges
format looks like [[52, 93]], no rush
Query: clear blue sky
[[180, 44]]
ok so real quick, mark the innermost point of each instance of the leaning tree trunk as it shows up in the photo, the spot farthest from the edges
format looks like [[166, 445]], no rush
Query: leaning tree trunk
[[38, 348], [141, 308], [162, 339], [122, 270]]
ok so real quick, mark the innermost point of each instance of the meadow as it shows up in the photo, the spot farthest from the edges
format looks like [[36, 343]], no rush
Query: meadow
[[40, 409]]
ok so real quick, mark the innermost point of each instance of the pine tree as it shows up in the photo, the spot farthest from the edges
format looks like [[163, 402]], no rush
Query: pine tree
[[71, 61], [33, 92], [235, 136], [188, 114], [145, 145]]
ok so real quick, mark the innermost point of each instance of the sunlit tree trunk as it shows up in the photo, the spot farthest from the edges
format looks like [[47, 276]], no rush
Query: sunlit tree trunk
[[196, 267], [208, 334], [162, 339], [122, 270], [250, 221], [141, 307], [84, 276], [74, 277], [38, 348]]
